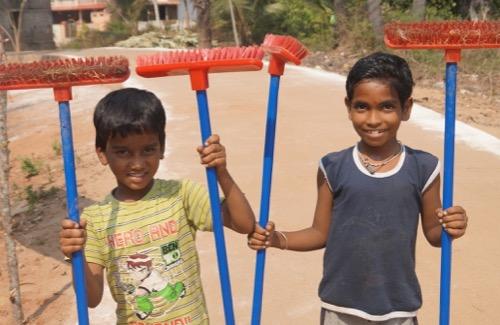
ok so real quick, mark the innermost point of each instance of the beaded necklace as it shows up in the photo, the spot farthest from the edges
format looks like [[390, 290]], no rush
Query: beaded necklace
[[372, 167]]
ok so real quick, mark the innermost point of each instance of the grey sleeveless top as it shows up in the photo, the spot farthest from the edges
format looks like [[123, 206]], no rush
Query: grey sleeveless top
[[369, 260]]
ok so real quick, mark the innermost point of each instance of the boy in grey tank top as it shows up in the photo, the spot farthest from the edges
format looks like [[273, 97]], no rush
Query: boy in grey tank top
[[370, 197]]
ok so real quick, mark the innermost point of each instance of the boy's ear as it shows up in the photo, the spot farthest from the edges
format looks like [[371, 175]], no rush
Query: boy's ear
[[101, 155], [347, 104], [407, 109]]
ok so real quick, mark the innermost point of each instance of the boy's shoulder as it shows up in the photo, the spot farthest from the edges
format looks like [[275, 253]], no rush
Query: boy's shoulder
[[420, 155], [161, 188], [337, 155]]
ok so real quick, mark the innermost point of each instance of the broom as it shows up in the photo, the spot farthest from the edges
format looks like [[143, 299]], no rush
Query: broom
[[282, 49], [197, 64], [452, 37], [61, 75]]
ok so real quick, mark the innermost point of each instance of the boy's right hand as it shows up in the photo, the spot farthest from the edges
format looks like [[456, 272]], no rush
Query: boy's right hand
[[261, 238], [72, 236]]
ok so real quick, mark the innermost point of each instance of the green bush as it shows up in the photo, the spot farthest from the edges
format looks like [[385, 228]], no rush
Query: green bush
[[30, 167], [33, 196], [56, 147], [115, 31]]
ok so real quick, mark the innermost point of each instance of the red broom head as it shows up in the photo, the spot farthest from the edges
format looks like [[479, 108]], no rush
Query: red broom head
[[199, 62], [283, 49], [447, 35], [63, 73]]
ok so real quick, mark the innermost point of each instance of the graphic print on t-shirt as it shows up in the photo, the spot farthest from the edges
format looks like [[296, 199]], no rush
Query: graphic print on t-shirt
[[149, 289]]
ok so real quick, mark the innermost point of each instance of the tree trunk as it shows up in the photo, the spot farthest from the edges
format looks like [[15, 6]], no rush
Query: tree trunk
[[340, 26], [18, 28], [463, 8], [187, 18], [233, 22], [203, 23], [36, 33], [157, 13], [478, 10], [375, 18], [418, 9], [14, 289]]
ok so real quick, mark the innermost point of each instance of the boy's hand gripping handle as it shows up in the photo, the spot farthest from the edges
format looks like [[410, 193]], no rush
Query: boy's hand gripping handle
[[213, 189]]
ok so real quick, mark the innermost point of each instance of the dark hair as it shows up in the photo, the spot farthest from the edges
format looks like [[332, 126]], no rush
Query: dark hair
[[385, 67], [126, 111]]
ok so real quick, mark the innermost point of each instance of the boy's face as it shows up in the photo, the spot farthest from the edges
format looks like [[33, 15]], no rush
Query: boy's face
[[134, 160], [376, 112]]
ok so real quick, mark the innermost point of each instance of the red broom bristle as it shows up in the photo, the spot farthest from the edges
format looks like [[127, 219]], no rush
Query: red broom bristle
[[63, 73], [198, 63], [226, 54], [443, 35], [287, 47]]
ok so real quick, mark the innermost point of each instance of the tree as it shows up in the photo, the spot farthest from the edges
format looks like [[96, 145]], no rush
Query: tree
[[37, 26], [478, 9], [233, 23], [15, 18], [340, 25], [187, 22], [203, 23], [157, 13], [418, 9], [129, 11], [375, 18], [14, 289], [463, 8], [234, 15]]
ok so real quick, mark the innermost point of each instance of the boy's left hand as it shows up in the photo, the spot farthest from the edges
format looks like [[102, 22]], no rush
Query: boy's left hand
[[454, 220], [213, 154]]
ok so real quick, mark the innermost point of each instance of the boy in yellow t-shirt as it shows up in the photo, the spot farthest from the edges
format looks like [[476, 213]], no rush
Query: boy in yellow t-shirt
[[143, 232]]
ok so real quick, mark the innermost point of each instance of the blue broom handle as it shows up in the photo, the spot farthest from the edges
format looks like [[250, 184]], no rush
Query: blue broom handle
[[77, 260], [213, 189], [272, 110], [449, 152]]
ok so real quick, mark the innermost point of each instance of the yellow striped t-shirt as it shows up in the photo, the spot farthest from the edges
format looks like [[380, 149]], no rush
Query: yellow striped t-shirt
[[149, 252]]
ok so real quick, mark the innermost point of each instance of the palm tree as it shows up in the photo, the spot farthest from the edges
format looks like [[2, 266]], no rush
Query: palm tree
[[203, 23]]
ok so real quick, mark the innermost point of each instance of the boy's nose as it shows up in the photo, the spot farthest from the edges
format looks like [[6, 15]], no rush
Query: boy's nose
[[136, 162], [373, 118]]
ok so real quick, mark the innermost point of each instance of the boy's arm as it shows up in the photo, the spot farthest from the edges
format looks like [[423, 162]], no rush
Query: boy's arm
[[307, 239], [71, 239], [434, 218], [94, 281], [431, 200], [236, 210]]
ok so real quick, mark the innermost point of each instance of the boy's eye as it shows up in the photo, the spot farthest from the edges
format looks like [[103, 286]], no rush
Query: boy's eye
[[121, 152], [360, 106], [388, 107], [150, 150]]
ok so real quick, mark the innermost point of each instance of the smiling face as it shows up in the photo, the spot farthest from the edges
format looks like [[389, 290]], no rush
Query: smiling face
[[376, 112], [134, 160]]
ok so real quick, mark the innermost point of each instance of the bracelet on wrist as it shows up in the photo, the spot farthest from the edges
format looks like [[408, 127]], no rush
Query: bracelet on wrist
[[282, 235]]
